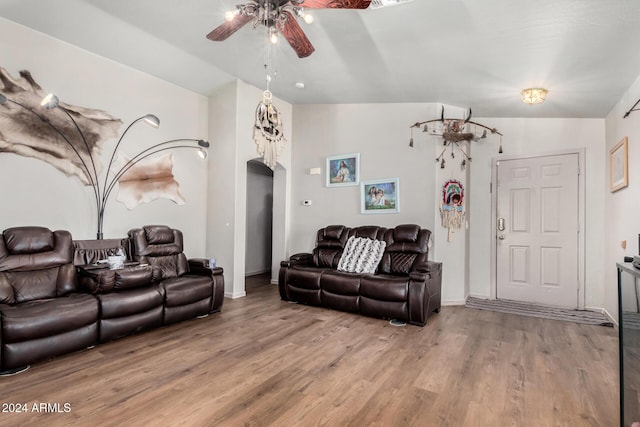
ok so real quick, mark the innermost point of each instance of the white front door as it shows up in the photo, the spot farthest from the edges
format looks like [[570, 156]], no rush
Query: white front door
[[537, 230]]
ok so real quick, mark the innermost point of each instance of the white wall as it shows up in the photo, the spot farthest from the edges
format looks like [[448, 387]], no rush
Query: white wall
[[35, 193], [380, 133], [623, 206], [232, 119], [539, 136]]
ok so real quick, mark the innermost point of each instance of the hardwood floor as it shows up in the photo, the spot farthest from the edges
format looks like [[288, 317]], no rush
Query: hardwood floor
[[264, 362]]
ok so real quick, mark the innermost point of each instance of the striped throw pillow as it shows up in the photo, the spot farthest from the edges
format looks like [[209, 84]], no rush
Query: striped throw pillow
[[361, 255]]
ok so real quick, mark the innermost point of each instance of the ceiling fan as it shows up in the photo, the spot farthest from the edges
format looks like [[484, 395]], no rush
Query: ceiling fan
[[279, 16]]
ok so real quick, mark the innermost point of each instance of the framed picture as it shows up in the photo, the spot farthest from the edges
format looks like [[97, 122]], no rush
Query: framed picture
[[619, 166], [380, 196], [343, 170]]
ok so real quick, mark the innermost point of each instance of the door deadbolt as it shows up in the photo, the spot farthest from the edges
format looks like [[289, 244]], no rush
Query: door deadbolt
[[500, 224]]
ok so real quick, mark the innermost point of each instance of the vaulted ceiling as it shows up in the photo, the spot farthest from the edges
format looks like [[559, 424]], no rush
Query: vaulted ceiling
[[469, 53]]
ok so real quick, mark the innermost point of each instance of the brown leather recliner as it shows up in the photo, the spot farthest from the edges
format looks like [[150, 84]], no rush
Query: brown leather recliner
[[42, 313], [191, 288]]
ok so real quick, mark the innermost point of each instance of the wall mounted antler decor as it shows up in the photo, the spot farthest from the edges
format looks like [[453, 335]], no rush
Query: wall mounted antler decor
[[454, 132]]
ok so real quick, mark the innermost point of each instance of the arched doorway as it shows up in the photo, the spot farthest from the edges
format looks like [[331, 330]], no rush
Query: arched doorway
[[259, 224]]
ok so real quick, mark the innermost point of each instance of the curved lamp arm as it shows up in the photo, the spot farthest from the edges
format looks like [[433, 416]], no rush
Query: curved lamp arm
[[50, 102], [154, 149], [152, 120], [94, 184]]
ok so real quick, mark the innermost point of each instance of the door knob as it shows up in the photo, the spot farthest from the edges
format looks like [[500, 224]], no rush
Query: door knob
[[501, 236]]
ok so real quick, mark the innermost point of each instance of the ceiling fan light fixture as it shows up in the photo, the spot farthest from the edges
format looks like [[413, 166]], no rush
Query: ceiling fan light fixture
[[533, 95], [307, 18], [378, 4], [273, 35]]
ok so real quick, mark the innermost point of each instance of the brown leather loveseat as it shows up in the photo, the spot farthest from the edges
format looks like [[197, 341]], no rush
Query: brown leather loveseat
[[49, 306], [405, 285]]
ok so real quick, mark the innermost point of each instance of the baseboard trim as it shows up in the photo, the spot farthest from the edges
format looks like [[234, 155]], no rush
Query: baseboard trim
[[453, 302], [274, 282], [235, 295], [256, 273], [606, 314], [478, 296]]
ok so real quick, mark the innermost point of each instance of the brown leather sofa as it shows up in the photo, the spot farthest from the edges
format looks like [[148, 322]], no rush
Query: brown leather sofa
[[49, 306], [405, 287]]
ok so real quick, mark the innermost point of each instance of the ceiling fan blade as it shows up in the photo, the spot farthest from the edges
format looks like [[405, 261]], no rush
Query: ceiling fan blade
[[228, 28], [296, 37], [336, 4]]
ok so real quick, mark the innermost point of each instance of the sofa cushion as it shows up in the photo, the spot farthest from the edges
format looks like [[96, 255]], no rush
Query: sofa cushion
[[340, 283], [158, 234], [36, 284], [130, 302], [6, 290], [47, 317], [385, 296], [106, 280], [186, 289], [305, 277], [28, 240], [330, 242], [361, 255], [384, 287], [407, 245]]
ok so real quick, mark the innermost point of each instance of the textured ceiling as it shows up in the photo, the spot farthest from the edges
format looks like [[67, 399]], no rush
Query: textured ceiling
[[468, 53]]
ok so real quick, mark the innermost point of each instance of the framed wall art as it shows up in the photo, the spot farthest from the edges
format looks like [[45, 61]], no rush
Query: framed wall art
[[380, 196], [619, 166], [343, 170]]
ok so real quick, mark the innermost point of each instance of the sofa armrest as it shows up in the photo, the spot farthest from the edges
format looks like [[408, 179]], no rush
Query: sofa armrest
[[301, 259], [428, 267], [425, 283], [200, 267], [298, 259]]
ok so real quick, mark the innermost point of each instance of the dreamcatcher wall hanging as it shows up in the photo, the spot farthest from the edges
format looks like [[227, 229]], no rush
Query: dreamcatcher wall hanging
[[267, 132], [454, 132], [452, 206]]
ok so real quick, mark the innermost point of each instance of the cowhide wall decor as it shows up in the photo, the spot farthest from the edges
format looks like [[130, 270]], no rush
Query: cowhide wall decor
[[147, 180], [29, 130]]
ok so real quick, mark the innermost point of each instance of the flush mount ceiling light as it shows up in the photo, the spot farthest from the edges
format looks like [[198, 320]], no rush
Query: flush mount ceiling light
[[533, 95]]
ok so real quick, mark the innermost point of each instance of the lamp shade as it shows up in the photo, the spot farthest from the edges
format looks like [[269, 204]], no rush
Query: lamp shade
[[152, 120], [50, 101], [533, 95]]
